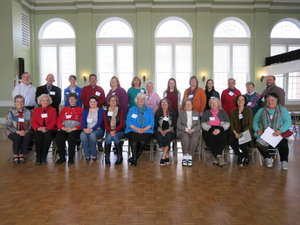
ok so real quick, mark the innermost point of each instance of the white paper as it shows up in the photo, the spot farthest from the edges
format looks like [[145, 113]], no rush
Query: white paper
[[268, 137], [110, 113], [21, 120], [97, 93], [134, 116], [245, 138], [52, 92], [68, 116], [45, 115]]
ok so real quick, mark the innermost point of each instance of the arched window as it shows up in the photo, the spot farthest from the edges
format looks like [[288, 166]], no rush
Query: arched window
[[231, 53], [173, 53], [285, 37], [115, 52], [57, 51]]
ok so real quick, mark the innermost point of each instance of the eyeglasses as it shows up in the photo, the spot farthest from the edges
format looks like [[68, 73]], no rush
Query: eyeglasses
[[164, 103]]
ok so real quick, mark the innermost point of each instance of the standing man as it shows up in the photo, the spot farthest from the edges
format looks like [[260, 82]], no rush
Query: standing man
[[26, 90], [228, 95], [272, 88], [92, 90], [50, 89]]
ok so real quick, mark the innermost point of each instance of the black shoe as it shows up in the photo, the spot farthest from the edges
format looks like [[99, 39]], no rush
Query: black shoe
[[22, 160], [16, 161], [88, 159], [133, 163], [130, 160], [44, 162], [71, 161], [246, 161], [239, 160], [119, 152], [94, 158], [162, 162], [60, 161], [37, 162], [167, 160]]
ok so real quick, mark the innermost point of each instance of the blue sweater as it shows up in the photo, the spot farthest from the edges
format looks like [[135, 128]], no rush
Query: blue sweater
[[148, 120], [67, 91], [99, 123]]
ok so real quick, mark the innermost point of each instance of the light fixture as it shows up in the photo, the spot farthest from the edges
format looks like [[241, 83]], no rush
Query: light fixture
[[262, 76], [84, 77], [144, 77], [203, 77]]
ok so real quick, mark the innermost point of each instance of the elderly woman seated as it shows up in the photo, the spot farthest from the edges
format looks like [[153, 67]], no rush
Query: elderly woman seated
[[18, 124], [139, 127], [189, 131], [44, 126], [277, 117], [215, 124]]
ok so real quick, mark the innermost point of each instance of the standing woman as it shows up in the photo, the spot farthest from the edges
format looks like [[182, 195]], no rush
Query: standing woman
[[210, 92], [134, 90], [189, 131], [18, 124], [241, 119], [153, 98], [44, 126], [118, 91], [139, 127], [254, 99], [165, 128], [113, 121], [73, 88], [69, 125], [92, 128], [173, 94]]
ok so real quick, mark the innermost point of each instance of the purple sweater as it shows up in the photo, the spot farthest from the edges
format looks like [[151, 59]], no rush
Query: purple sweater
[[122, 96]]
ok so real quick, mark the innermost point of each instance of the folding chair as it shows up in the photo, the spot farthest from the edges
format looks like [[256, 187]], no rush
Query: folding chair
[[272, 151], [225, 153], [174, 147]]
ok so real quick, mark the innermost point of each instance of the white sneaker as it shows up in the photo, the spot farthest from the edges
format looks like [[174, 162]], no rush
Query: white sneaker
[[184, 162], [190, 162], [269, 162], [284, 165]]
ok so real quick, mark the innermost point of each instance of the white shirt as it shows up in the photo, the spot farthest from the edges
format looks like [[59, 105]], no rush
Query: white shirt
[[189, 119], [28, 92]]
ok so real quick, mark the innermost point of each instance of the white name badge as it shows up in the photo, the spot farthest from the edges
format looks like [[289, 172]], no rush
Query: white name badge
[[166, 118], [212, 97], [231, 93], [67, 93], [191, 96], [21, 120], [113, 93], [212, 118], [271, 117], [97, 93], [263, 99], [147, 97], [142, 91], [134, 116], [241, 116], [166, 95], [89, 120], [68, 116], [52, 92], [45, 115], [110, 113], [195, 118], [249, 104]]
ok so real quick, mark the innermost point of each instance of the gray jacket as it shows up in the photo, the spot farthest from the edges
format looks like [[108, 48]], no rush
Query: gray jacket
[[222, 115], [182, 123]]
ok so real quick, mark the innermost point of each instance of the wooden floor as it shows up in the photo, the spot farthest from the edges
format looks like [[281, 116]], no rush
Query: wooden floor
[[92, 193]]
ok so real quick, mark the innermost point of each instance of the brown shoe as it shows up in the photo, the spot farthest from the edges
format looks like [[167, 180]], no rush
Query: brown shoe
[[221, 160]]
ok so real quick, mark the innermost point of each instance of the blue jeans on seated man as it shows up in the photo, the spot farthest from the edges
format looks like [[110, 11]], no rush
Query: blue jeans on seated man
[[116, 139], [89, 142]]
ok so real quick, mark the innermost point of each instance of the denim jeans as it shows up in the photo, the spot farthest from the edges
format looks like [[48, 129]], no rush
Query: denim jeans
[[89, 142], [116, 139]]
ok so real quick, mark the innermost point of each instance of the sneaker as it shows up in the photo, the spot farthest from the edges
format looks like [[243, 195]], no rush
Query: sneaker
[[221, 160], [284, 165], [190, 162], [215, 162], [162, 162], [269, 162], [167, 160], [184, 162], [60, 161]]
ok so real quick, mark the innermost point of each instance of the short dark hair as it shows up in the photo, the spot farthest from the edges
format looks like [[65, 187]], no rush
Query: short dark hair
[[272, 95], [94, 97], [72, 76], [72, 95], [92, 75], [236, 99], [250, 83]]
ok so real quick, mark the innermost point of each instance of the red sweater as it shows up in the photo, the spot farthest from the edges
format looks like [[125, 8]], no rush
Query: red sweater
[[75, 114], [118, 128], [50, 120], [88, 91], [227, 100]]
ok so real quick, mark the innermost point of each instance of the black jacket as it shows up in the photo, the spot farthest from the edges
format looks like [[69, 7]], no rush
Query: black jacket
[[55, 98]]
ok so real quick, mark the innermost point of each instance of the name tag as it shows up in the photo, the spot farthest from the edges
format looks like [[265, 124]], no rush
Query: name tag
[[147, 97], [166, 95], [68, 116], [195, 118], [249, 104], [134, 116], [67, 93], [166, 118], [241, 116], [212, 97], [89, 120], [191, 96], [97, 93], [263, 99], [212, 118], [113, 93], [52, 92], [271, 117], [21, 120], [142, 91], [231, 93], [110, 113], [44, 115]]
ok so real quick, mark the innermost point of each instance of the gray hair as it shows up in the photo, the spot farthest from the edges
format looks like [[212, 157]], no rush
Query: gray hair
[[218, 100], [250, 83], [19, 96], [151, 82], [186, 100], [39, 99], [138, 96]]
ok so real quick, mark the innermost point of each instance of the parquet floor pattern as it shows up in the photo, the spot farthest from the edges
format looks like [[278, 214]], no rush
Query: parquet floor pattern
[[92, 193]]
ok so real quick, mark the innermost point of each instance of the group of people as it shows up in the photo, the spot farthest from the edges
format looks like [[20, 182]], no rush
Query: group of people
[[140, 115]]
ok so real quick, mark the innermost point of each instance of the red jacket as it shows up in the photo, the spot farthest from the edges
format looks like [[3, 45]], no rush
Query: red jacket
[[88, 91], [75, 114], [50, 120], [227, 100]]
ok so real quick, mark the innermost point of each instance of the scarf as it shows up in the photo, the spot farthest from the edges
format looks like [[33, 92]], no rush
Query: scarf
[[141, 113], [113, 121], [190, 91]]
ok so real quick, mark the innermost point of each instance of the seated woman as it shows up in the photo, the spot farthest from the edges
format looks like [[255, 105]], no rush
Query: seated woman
[[254, 99], [152, 98], [215, 124], [189, 131], [277, 117], [241, 119], [165, 128], [18, 124], [113, 121], [92, 128], [139, 127], [44, 126], [69, 125]]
